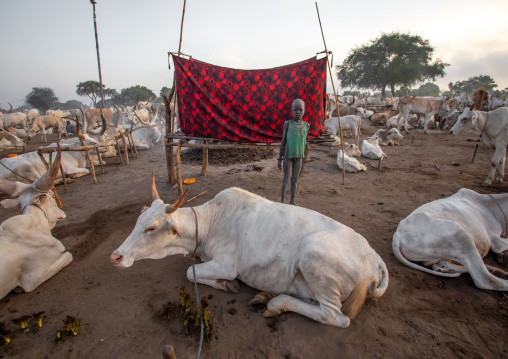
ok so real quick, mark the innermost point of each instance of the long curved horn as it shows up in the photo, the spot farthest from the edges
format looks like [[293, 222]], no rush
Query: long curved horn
[[45, 183], [140, 120], [119, 115], [104, 123], [155, 195], [84, 119], [10, 109], [156, 114], [78, 128], [177, 204]]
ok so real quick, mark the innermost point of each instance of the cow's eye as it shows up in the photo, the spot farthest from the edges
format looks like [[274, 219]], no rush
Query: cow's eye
[[150, 229]]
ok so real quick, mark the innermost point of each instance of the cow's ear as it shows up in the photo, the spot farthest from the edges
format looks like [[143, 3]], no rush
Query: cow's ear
[[10, 203], [144, 209], [38, 200], [174, 229], [474, 118]]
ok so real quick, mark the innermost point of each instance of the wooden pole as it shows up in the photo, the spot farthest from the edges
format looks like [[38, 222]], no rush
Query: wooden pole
[[474, 155], [174, 80], [118, 149], [179, 167], [125, 149], [134, 145], [168, 352], [205, 160], [89, 159], [336, 99], [172, 98], [100, 160], [169, 148], [98, 56]]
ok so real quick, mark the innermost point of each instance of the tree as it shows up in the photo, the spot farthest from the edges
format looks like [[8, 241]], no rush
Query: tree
[[92, 89], [69, 104], [472, 84], [134, 94], [165, 91], [41, 98], [394, 59], [428, 89]]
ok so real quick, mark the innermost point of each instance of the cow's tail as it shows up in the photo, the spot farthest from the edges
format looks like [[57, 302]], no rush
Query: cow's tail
[[403, 260], [368, 285]]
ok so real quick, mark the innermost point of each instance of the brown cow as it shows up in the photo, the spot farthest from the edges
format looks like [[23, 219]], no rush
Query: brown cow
[[425, 106]]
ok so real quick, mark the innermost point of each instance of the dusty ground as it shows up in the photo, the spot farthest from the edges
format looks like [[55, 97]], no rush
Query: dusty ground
[[121, 311]]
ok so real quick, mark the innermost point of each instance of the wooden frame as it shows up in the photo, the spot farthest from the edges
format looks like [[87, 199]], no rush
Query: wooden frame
[[214, 144]]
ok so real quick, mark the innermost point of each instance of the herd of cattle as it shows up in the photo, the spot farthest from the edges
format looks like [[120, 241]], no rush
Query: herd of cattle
[[96, 127], [303, 261]]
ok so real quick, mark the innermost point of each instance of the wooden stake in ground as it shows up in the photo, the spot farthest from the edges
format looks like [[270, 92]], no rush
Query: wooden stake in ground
[[336, 99], [205, 161], [474, 155]]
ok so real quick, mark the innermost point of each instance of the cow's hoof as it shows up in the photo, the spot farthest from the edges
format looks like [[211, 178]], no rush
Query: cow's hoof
[[260, 301], [487, 183], [18, 290], [268, 313], [502, 258], [232, 286]]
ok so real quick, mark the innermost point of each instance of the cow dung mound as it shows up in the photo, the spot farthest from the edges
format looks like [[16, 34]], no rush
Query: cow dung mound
[[226, 157]]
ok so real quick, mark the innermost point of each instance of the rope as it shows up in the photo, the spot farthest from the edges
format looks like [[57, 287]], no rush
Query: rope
[[484, 126], [196, 284], [33, 204], [16, 173]]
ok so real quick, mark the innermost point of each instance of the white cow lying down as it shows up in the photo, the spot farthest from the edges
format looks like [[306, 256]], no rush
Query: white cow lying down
[[351, 163], [454, 234], [291, 251], [29, 254], [370, 149]]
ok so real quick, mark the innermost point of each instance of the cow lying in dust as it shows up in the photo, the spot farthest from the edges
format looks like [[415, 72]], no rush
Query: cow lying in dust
[[387, 137], [29, 254], [351, 163], [292, 251], [453, 235]]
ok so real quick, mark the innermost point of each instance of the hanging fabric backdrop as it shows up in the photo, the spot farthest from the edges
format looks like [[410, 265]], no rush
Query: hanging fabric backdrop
[[248, 105]]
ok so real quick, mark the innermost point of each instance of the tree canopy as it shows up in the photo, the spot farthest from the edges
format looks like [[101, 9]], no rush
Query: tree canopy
[[394, 59], [134, 94], [472, 84], [428, 89], [92, 89], [41, 98], [165, 91]]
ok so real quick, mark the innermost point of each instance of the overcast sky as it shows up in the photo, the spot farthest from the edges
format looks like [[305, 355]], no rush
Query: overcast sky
[[52, 43]]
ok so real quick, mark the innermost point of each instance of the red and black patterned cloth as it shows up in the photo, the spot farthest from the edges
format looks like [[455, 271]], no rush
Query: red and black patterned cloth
[[248, 105]]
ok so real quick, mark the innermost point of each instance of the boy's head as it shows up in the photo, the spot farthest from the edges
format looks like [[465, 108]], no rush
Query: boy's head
[[298, 109]]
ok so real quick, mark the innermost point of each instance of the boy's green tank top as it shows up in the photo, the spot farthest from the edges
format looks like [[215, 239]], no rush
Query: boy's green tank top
[[296, 140]]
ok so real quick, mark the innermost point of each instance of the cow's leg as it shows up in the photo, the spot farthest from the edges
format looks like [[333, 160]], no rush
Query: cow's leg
[[482, 278], [325, 312], [497, 272], [425, 123], [498, 154], [500, 168], [405, 114], [448, 267], [500, 245], [76, 172], [217, 274], [30, 281]]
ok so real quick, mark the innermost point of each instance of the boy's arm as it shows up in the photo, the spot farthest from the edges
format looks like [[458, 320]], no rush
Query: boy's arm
[[282, 144]]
